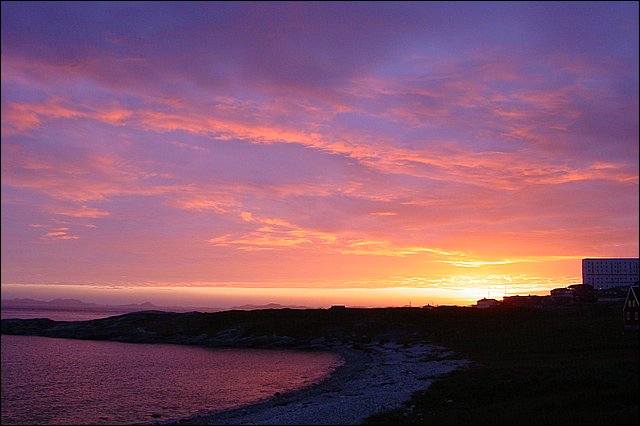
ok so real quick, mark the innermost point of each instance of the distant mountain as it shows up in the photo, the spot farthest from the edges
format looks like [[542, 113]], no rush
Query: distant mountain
[[74, 304], [250, 307], [55, 303], [78, 305]]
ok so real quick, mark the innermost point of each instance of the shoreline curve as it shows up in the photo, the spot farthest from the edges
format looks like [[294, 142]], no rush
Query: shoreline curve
[[373, 378]]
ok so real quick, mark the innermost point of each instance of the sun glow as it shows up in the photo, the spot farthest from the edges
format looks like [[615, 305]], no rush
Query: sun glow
[[414, 292]]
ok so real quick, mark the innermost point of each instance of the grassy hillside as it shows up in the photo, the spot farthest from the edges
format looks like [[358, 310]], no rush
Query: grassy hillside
[[574, 365]]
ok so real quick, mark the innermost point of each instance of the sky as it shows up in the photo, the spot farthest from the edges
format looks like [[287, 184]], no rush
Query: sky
[[318, 153]]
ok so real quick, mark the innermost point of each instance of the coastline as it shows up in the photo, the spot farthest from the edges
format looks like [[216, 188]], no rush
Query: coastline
[[372, 379], [530, 372]]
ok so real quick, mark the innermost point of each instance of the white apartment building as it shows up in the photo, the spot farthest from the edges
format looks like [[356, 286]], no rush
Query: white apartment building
[[607, 273]]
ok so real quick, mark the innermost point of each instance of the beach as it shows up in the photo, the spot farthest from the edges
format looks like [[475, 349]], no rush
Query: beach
[[372, 379]]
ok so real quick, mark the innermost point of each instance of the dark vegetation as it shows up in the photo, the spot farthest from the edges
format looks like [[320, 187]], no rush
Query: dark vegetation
[[257, 328], [566, 365], [574, 365]]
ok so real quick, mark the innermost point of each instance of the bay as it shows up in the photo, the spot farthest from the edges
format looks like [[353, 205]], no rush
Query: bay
[[61, 314], [62, 381]]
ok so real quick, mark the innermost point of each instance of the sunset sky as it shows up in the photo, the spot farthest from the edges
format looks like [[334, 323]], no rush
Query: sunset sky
[[317, 153]]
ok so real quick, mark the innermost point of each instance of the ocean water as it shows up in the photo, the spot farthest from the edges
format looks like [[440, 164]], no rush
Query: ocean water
[[64, 381], [56, 314]]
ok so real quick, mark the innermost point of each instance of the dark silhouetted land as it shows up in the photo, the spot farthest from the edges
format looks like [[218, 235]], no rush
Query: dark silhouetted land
[[568, 365]]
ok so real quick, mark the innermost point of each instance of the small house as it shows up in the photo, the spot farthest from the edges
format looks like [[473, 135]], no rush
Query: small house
[[583, 293], [486, 303], [561, 296], [530, 301], [630, 309]]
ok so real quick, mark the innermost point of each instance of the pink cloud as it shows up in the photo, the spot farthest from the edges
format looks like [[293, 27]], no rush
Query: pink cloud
[[59, 235], [19, 118], [84, 212], [357, 146]]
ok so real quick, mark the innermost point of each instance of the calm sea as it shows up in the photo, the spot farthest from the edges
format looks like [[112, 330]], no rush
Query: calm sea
[[63, 381], [56, 314]]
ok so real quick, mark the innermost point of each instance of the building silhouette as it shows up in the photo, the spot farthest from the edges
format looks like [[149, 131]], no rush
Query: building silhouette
[[611, 272]]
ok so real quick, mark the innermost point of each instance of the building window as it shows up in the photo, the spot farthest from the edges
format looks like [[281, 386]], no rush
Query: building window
[[628, 315]]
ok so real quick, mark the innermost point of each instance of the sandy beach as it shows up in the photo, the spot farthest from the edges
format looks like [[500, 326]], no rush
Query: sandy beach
[[373, 378]]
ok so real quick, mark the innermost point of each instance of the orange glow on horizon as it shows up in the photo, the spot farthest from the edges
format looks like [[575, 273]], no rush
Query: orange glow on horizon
[[366, 295]]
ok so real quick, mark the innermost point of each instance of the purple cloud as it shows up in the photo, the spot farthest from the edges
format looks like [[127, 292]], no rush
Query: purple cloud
[[212, 142]]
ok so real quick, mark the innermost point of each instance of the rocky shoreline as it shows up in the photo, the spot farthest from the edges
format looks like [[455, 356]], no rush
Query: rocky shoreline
[[385, 355], [373, 378]]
